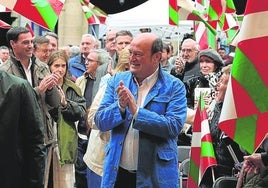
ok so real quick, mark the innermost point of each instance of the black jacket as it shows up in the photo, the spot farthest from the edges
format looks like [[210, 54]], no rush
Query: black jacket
[[191, 70], [196, 82], [221, 142], [201, 81], [46, 100], [22, 158]]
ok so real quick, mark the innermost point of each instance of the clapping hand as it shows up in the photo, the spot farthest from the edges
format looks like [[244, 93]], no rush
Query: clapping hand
[[126, 99], [49, 82], [63, 98]]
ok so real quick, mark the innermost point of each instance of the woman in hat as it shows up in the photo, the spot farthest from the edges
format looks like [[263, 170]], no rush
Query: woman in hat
[[210, 69], [210, 64]]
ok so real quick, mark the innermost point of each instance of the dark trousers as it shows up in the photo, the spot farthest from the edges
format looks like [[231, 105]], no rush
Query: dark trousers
[[80, 166], [125, 179], [93, 179]]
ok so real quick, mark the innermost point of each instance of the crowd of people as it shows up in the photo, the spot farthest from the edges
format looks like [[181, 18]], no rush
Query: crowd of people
[[91, 117]]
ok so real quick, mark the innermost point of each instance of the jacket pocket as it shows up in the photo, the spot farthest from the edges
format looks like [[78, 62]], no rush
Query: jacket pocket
[[162, 99], [167, 167], [159, 104]]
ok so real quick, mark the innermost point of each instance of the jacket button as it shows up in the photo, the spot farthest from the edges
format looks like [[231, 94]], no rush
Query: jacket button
[[115, 168]]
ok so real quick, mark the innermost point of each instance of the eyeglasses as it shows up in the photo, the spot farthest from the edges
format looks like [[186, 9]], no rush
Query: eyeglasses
[[91, 60], [136, 54]]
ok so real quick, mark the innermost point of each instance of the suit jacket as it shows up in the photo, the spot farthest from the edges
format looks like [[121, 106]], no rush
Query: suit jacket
[[48, 99], [159, 123]]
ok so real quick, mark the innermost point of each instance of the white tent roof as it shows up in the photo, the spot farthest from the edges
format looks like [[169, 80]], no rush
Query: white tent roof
[[151, 14]]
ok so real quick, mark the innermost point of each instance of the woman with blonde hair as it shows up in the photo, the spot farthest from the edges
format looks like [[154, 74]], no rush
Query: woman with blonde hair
[[123, 60], [122, 65], [94, 157]]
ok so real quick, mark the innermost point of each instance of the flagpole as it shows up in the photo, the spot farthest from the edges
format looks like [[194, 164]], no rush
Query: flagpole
[[213, 174]]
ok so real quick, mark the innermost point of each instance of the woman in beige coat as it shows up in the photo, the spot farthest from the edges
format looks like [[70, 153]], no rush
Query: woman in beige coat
[[95, 153]]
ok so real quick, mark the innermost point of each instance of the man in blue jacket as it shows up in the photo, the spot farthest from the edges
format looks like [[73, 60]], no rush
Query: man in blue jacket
[[145, 109], [76, 64]]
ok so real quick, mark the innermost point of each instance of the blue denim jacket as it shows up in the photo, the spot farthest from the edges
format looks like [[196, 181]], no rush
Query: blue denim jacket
[[76, 66], [159, 124]]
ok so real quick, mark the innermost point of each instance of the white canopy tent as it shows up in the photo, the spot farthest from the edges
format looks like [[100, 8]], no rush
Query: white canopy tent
[[152, 14]]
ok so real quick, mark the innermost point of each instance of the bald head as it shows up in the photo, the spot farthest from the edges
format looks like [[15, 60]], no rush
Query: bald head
[[146, 36], [149, 41], [191, 42], [189, 50], [145, 54]]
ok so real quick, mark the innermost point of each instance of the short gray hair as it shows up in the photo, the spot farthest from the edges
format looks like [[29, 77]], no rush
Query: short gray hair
[[103, 55], [40, 40], [74, 51], [90, 36]]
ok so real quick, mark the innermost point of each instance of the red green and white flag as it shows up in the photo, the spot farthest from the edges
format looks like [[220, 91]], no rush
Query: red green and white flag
[[230, 7], [216, 9], [202, 154], [204, 37], [4, 9], [227, 21], [188, 11], [244, 115], [28, 26], [233, 31], [94, 15], [43, 12], [230, 35], [4, 25], [173, 12], [201, 35]]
